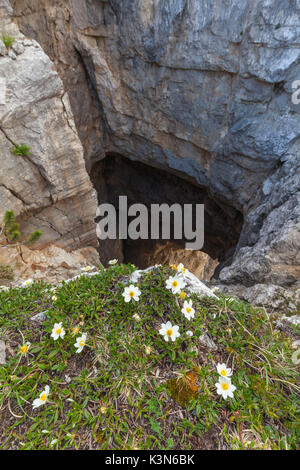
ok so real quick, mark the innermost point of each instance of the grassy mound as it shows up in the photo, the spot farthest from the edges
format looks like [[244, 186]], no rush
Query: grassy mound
[[129, 388]]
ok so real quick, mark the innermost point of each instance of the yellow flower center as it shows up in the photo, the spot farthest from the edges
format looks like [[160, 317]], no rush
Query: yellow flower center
[[225, 386], [58, 331], [182, 295], [82, 343], [75, 330], [174, 283], [43, 397], [24, 349], [183, 270], [223, 372], [188, 309], [131, 293], [169, 332]]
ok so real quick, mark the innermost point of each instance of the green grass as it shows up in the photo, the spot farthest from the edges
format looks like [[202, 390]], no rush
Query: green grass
[[115, 396], [7, 40]]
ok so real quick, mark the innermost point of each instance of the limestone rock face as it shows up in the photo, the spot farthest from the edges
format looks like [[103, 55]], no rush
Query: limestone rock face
[[52, 263], [200, 89], [275, 298], [49, 189]]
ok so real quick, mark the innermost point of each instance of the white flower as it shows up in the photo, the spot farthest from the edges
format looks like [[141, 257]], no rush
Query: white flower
[[181, 268], [174, 267], [188, 310], [224, 371], [169, 332], [27, 283], [215, 289], [189, 333], [24, 348], [112, 262], [80, 343], [58, 331], [136, 317], [225, 387], [42, 398], [175, 284], [131, 292], [87, 268], [4, 288], [54, 298], [296, 357]]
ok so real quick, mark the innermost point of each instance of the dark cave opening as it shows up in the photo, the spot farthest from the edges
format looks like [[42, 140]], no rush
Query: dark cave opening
[[116, 175]]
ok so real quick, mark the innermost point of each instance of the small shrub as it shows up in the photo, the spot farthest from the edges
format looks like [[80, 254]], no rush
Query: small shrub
[[12, 230], [34, 236], [21, 149], [7, 40]]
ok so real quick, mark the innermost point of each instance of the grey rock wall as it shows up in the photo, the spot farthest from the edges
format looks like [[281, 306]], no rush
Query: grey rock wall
[[202, 89], [49, 189]]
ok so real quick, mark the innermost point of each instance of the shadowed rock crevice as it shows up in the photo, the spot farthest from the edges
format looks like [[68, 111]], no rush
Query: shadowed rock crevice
[[116, 175]]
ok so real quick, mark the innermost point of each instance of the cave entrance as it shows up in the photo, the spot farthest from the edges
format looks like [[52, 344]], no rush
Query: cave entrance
[[116, 175]]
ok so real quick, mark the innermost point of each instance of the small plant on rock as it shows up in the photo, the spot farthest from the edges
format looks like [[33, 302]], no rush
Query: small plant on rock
[[11, 230], [22, 150], [7, 40]]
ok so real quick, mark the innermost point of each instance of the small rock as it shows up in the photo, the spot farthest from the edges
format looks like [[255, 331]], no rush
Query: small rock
[[207, 342], [18, 48], [27, 42], [2, 353], [12, 55], [3, 49], [40, 317]]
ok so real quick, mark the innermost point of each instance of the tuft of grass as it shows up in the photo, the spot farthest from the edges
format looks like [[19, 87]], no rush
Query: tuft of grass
[[7, 40], [116, 394], [21, 150]]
